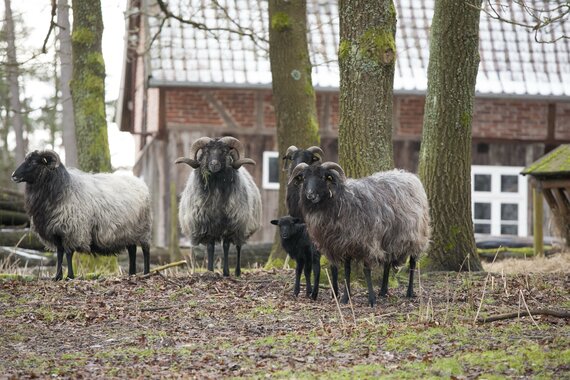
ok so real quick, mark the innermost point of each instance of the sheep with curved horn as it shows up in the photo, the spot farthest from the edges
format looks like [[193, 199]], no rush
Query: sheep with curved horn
[[220, 201]]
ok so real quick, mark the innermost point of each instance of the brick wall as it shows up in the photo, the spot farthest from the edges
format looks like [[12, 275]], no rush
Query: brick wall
[[494, 118]]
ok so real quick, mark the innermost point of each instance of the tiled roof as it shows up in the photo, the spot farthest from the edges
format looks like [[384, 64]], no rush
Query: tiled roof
[[512, 63]]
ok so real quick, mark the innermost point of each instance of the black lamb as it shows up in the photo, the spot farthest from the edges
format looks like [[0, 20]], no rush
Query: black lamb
[[295, 241]]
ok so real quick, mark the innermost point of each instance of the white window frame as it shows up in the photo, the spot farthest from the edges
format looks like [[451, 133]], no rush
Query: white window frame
[[266, 184], [495, 197]]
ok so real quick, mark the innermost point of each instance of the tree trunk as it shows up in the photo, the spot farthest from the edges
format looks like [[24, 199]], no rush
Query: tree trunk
[[66, 70], [293, 93], [445, 157], [88, 95], [367, 55], [88, 87], [12, 71]]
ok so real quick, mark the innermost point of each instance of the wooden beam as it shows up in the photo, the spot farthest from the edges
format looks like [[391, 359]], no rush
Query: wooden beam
[[537, 222]]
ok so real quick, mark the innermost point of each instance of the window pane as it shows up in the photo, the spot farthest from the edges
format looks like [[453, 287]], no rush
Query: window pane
[[509, 211], [509, 229], [509, 183], [273, 170], [481, 228], [482, 211], [482, 182]]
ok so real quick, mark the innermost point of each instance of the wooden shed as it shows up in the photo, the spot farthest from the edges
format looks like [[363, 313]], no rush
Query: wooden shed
[[550, 177]]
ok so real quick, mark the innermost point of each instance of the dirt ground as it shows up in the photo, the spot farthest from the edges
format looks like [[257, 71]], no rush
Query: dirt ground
[[181, 325]]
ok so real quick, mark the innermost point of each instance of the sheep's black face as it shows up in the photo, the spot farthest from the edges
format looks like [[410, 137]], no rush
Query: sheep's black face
[[300, 156], [215, 157], [288, 226], [35, 166], [319, 184]]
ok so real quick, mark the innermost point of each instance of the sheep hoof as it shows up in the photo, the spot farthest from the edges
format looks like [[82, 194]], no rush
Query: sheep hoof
[[58, 277], [226, 273], [238, 272], [344, 299], [410, 295], [314, 295]]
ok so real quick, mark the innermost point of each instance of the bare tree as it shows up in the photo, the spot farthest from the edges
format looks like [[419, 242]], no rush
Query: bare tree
[[293, 94], [66, 69], [88, 87], [13, 73], [367, 56], [445, 156]]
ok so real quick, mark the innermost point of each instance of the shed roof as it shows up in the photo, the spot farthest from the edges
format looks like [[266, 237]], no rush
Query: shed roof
[[512, 63], [555, 163]]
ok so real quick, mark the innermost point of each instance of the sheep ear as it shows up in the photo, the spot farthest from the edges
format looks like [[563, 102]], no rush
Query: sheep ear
[[276, 222], [188, 161], [296, 220]]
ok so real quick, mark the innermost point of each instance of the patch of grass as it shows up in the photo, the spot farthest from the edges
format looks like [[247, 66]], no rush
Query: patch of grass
[[16, 277]]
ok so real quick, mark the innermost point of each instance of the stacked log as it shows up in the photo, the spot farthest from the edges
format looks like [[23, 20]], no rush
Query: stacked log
[[12, 212]]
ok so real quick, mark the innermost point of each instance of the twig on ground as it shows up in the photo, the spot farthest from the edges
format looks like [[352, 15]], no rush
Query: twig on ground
[[163, 267], [528, 312], [336, 300], [158, 308]]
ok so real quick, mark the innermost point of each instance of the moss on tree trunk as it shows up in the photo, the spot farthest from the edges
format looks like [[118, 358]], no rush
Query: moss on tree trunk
[[445, 156], [293, 93], [367, 55], [88, 87]]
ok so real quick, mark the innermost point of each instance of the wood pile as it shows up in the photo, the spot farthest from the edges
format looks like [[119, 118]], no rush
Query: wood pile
[[12, 213]]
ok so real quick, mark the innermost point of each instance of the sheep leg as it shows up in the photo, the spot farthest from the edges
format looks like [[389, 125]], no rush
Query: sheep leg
[[368, 276], [410, 292], [226, 246], [316, 257], [146, 257], [238, 263], [59, 271], [69, 258], [334, 273], [211, 256], [298, 271], [132, 249], [307, 270], [347, 294], [385, 278]]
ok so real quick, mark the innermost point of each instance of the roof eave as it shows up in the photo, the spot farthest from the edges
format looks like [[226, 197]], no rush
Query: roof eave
[[267, 86]]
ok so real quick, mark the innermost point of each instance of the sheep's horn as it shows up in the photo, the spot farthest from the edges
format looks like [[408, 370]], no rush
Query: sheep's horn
[[316, 150], [290, 150], [336, 167], [242, 161], [187, 161], [233, 143], [197, 145], [54, 159], [296, 171]]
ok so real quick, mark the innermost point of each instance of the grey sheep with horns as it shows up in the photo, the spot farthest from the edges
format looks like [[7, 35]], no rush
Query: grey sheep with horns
[[72, 211], [221, 201], [379, 219]]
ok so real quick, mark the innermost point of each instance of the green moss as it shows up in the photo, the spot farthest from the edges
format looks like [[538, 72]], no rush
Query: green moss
[[83, 36], [281, 21], [344, 49], [556, 161], [465, 120], [378, 45]]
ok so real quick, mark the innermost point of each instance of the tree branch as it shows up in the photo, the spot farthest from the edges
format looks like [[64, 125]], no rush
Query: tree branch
[[540, 17], [499, 317]]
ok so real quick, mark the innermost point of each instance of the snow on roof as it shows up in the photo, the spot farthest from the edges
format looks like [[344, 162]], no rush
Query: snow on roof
[[512, 62]]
